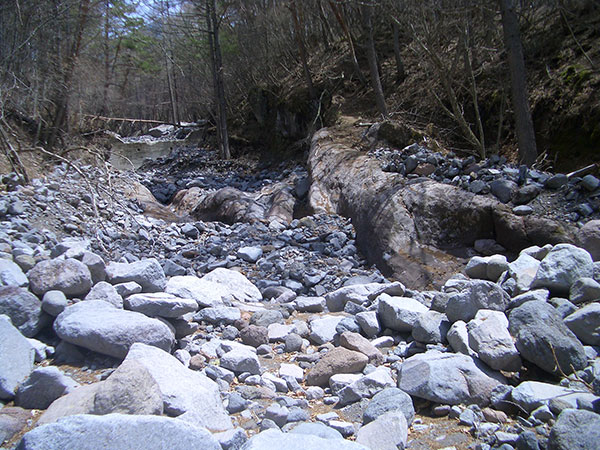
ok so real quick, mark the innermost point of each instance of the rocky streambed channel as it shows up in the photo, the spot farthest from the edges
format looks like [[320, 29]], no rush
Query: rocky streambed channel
[[224, 316]]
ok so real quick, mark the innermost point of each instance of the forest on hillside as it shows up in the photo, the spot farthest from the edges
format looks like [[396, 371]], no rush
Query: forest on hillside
[[269, 72]]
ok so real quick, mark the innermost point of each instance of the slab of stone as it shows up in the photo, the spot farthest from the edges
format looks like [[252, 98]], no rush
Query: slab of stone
[[218, 315], [69, 276], [106, 292], [585, 324], [564, 265], [187, 394], [239, 361], [369, 323], [129, 390], [16, 358], [489, 337], [476, 295], [273, 439], [575, 429], [310, 304], [399, 313], [543, 339], [205, 293], [160, 304], [237, 285], [12, 275], [24, 310], [44, 385], [99, 326], [337, 360], [323, 329], [530, 395], [148, 273], [448, 378], [118, 432], [389, 400], [388, 432]]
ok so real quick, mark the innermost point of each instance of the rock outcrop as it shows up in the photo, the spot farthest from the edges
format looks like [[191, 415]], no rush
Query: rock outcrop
[[410, 226]]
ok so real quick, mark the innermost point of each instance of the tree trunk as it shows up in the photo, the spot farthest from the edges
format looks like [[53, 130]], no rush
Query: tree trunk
[[400, 73], [367, 14], [340, 18], [299, 34], [219, 84], [516, 63], [62, 103], [104, 107]]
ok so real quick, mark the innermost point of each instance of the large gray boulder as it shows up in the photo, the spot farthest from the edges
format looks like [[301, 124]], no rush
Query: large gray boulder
[[388, 432], [585, 324], [187, 394], [118, 432], [238, 286], [99, 326], [16, 358], [70, 276], [476, 295], [160, 304], [207, 294], [562, 267], [24, 310], [543, 339], [575, 430], [399, 313], [148, 273], [489, 337], [129, 390], [11, 274], [44, 385], [390, 399], [275, 439], [448, 378]]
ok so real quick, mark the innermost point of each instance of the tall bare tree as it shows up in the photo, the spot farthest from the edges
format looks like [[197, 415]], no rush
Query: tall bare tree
[[218, 81], [518, 79], [367, 19]]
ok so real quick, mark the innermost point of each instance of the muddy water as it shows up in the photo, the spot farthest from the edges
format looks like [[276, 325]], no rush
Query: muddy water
[[131, 154]]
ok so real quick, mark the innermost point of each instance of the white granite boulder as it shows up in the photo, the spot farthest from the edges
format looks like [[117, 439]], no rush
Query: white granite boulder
[[99, 326]]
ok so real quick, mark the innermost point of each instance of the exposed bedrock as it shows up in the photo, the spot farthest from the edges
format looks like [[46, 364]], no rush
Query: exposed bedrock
[[410, 227], [273, 203]]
